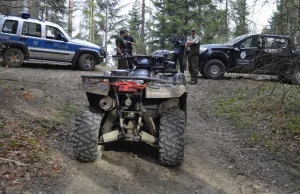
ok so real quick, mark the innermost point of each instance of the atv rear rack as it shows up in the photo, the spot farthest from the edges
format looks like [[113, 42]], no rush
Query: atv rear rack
[[115, 78]]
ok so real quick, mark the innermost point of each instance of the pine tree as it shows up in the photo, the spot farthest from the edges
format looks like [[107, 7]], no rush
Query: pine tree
[[239, 15]]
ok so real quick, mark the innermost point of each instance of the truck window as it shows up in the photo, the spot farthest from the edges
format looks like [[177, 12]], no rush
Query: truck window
[[32, 29], [10, 26], [251, 42], [53, 33], [274, 43]]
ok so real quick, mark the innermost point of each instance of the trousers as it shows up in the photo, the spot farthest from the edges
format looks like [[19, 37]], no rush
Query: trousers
[[193, 62], [179, 57]]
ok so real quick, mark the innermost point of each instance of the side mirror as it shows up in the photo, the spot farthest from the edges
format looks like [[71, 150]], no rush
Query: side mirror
[[236, 49]]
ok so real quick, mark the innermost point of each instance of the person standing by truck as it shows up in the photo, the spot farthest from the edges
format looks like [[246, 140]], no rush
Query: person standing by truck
[[179, 42], [121, 47], [130, 42], [192, 46]]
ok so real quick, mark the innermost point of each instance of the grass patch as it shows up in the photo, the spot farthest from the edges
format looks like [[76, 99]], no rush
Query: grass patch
[[275, 108]]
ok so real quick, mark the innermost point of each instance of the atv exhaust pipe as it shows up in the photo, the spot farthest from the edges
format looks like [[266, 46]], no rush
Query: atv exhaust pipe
[[107, 103]]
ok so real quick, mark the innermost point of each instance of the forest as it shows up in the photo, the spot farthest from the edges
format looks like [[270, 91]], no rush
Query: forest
[[152, 22]]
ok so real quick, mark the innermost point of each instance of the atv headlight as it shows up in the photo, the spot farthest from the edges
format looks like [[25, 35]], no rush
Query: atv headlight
[[202, 50]]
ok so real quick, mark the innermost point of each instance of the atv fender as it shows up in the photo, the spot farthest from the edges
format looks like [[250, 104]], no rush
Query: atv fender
[[165, 91], [98, 88]]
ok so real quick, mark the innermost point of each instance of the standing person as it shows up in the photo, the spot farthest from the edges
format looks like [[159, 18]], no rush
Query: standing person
[[121, 47], [179, 42], [130, 42], [192, 46]]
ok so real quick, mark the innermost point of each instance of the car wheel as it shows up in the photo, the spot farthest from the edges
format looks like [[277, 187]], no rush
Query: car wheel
[[85, 137], [87, 62], [296, 76], [214, 69], [171, 137], [13, 57]]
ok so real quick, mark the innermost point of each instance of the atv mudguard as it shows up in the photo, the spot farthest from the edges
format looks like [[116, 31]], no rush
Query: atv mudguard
[[98, 88], [174, 91]]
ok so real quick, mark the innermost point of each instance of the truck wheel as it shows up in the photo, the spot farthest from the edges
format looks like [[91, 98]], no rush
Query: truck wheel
[[87, 62], [214, 69], [85, 137], [171, 137], [296, 76], [13, 57]]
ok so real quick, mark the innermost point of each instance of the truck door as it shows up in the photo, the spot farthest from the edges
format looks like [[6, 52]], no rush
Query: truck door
[[56, 47], [32, 37], [246, 54], [276, 54]]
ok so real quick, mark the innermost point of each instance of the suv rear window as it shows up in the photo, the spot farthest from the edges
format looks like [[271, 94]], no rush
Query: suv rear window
[[31, 29], [10, 26]]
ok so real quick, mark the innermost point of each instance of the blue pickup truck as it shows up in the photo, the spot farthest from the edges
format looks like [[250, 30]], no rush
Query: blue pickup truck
[[27, 40]]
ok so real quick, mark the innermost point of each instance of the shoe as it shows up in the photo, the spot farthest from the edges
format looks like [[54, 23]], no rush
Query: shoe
[[193, 82]]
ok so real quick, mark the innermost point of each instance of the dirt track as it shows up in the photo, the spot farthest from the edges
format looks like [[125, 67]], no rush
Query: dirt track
[[219, 158]]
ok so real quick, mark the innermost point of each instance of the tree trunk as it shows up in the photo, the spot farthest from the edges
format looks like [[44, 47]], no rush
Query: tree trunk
[[106, 28], [226, 21], [70, 26], [143, 22]]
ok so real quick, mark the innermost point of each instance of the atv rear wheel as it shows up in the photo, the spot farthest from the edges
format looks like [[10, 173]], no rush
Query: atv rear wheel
[[171, 137], [85, 137]]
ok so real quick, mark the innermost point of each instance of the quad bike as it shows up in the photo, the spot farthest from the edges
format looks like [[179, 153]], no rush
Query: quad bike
[[145, 104]]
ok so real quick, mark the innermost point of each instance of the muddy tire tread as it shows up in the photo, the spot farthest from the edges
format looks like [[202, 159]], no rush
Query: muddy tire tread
[[171, 138], [85, 136]]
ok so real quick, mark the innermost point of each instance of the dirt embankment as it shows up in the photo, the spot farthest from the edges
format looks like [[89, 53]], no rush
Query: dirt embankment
[[220, 156]]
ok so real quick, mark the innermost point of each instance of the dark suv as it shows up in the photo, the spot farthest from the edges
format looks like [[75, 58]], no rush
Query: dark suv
[[23, 39], [255, 54]]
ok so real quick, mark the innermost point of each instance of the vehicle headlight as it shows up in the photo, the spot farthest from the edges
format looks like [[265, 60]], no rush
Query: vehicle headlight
[[202, 50]]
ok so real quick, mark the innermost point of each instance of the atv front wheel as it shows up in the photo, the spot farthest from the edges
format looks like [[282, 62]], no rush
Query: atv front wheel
[[85, 136], [171, 137]]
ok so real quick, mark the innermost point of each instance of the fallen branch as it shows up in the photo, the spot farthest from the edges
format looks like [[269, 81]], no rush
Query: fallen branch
[[14, 161]]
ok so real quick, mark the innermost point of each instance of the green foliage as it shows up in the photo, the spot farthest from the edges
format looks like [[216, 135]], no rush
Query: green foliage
[[240, 13], [277, 108], [285, 20]]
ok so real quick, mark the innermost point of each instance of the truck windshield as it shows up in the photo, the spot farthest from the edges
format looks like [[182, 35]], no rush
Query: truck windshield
[[237, 39]]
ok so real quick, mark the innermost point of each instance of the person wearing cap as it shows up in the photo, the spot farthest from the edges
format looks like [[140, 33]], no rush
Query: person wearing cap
[[130, 42], [121, 47], [178, 42], [192, 46]]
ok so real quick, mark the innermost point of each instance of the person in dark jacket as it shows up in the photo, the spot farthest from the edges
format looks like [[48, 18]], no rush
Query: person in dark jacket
[[179, 44], [130, 42], [121, 47]]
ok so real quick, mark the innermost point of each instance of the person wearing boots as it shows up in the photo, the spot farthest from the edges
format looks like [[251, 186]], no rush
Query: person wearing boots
[[192, 46], [121, 47], [130, 42], [178, 42]]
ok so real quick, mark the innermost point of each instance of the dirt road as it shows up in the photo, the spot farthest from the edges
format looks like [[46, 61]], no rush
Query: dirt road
[[219, 157]]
